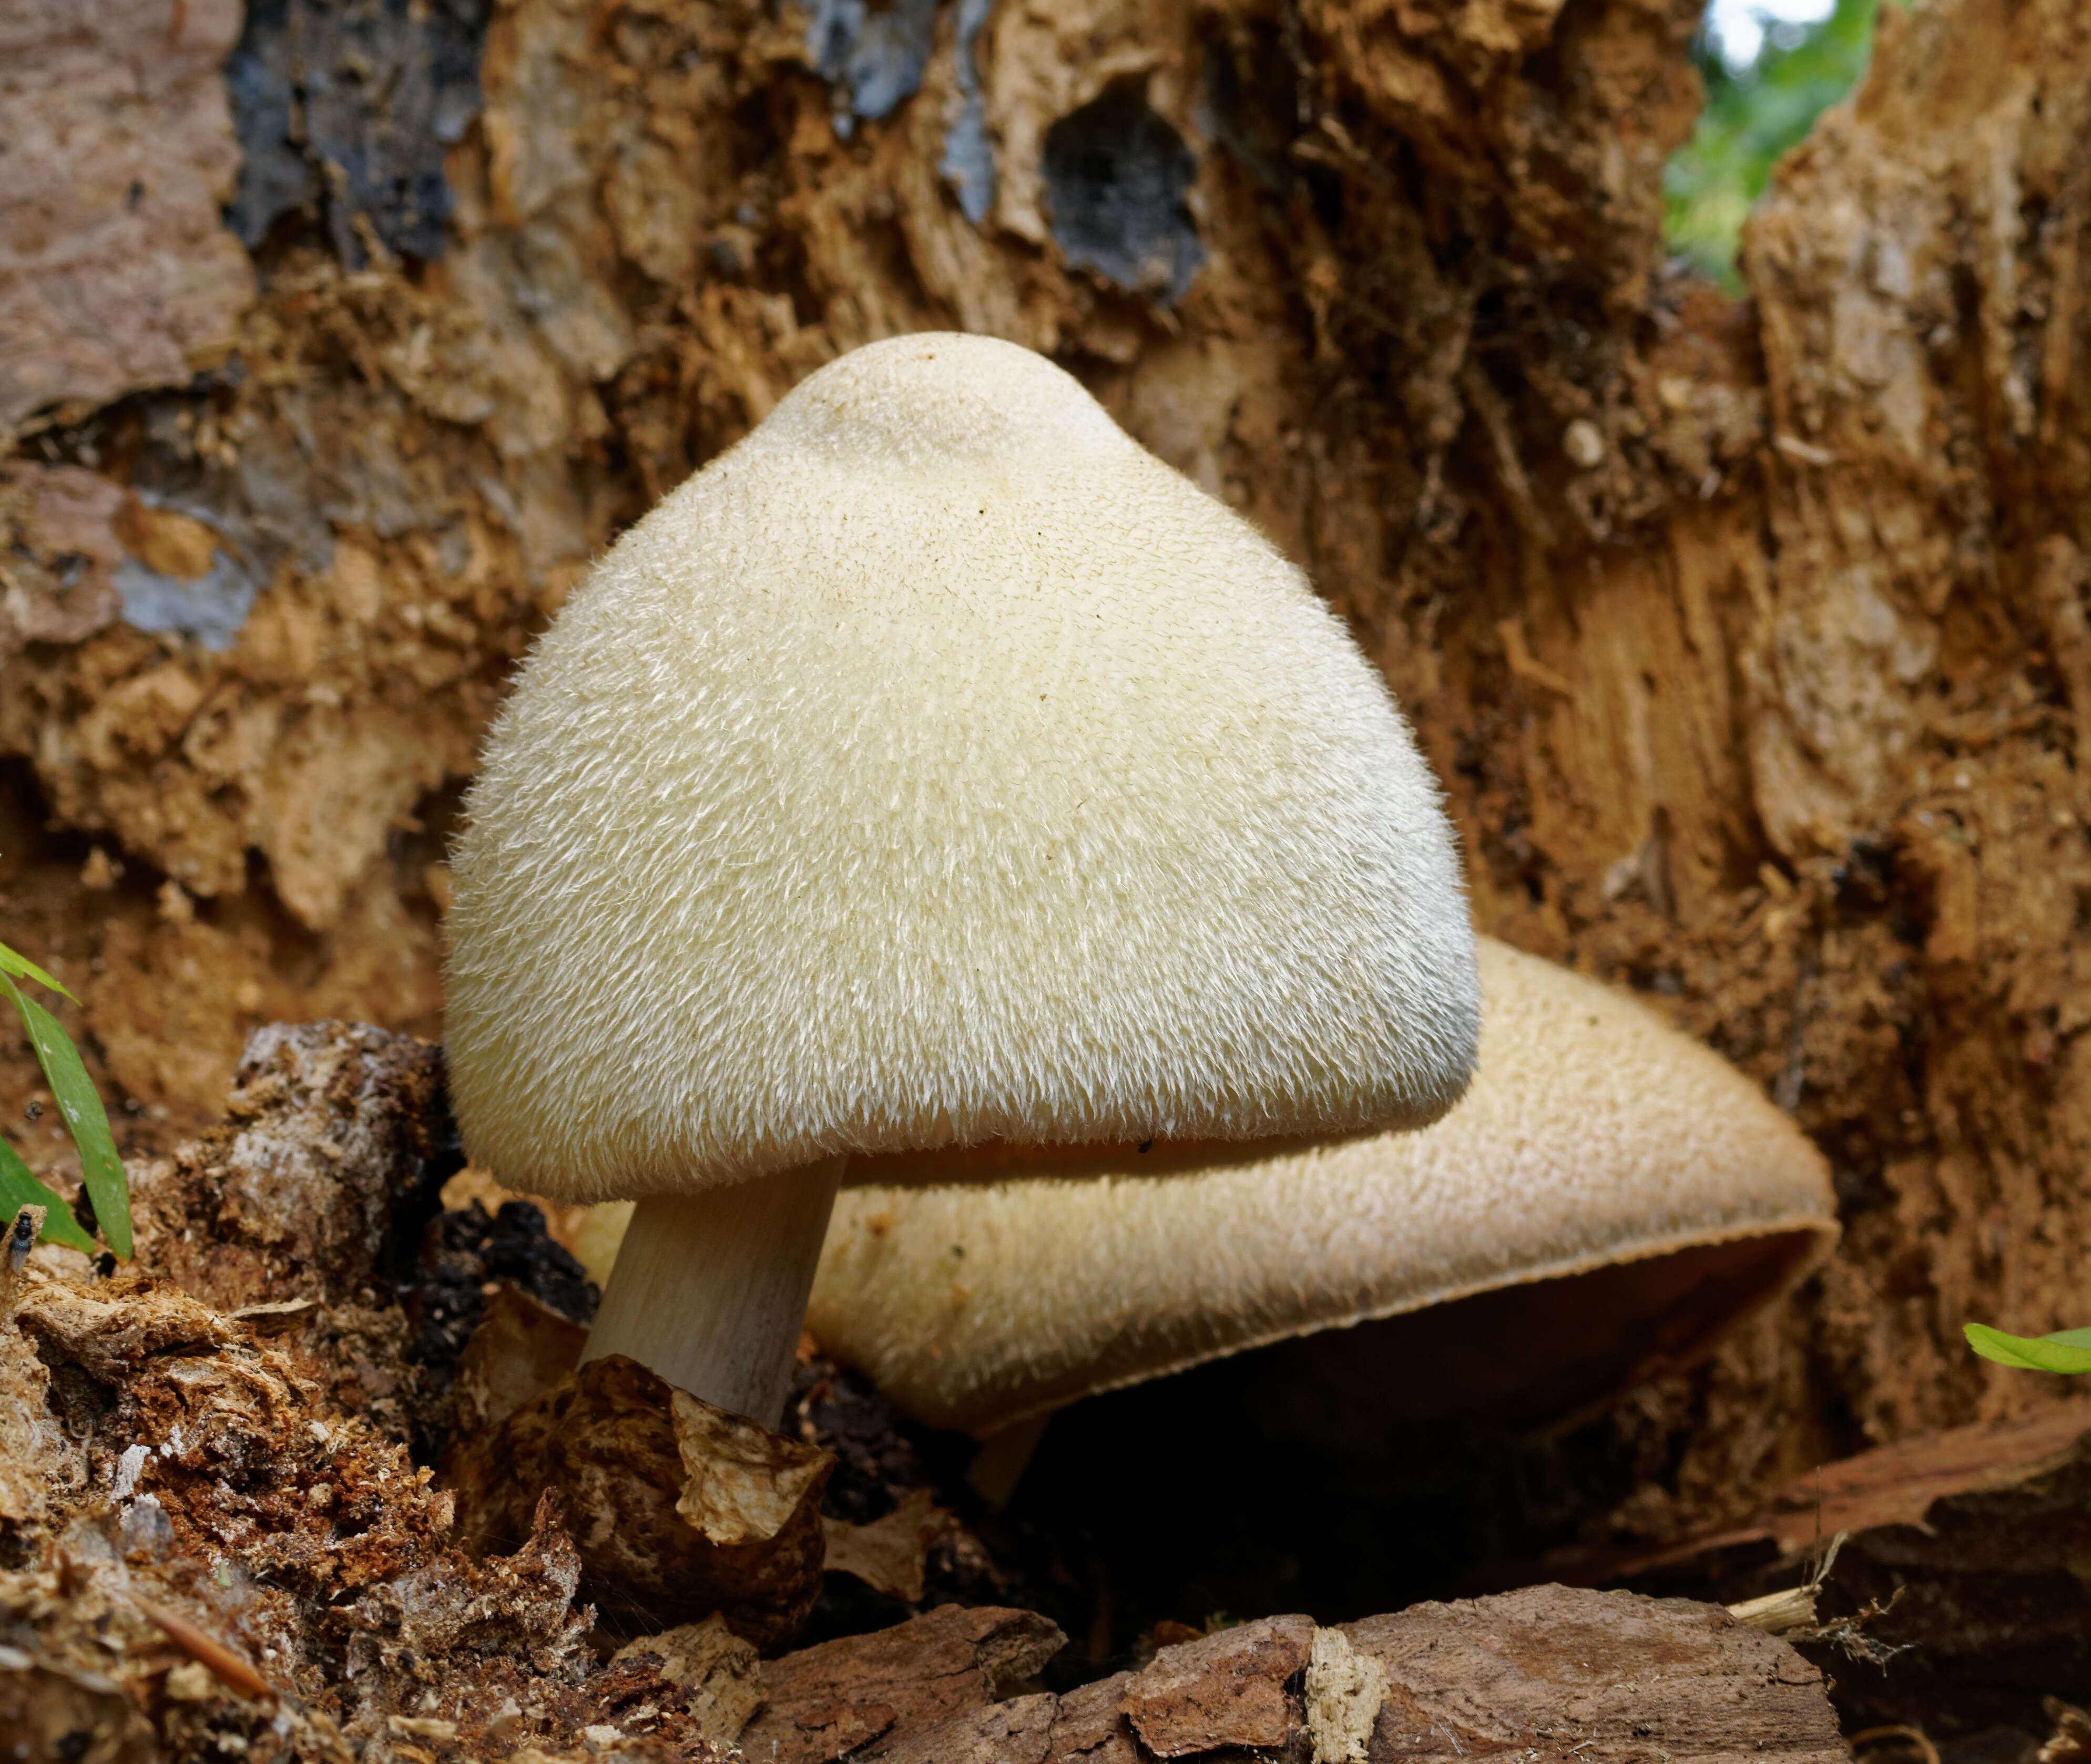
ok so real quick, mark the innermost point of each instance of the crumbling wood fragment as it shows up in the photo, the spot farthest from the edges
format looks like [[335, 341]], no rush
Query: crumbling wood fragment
[[865, 1695], [1086, 1726], [1549, 1672], [1564, 1672], [1234, 1688], [298, 1193], [1897, 1485], [679, 1509], [1342, 1691], [718, 1669]]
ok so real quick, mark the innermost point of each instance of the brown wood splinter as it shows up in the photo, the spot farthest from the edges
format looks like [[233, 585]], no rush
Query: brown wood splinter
[[222, 1663]]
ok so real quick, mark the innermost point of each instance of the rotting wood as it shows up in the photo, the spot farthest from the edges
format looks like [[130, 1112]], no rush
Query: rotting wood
[[1230, 1688], [117, 274], [689, 1510], [201, 1443], [1896, 1484], [1868, 672]]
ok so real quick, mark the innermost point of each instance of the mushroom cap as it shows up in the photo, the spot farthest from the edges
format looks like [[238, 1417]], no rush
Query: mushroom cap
[[936, 767], [1593, 1135]]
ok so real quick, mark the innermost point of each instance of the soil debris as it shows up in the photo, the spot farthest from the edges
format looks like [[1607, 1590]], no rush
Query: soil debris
[[244, 1558], [205, 1550], [336, 1144], [682, 1509]]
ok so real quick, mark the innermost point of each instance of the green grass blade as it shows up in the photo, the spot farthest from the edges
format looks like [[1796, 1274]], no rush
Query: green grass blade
[[2068, 1351], [19, 1188], [22, 968], [99, 1168]]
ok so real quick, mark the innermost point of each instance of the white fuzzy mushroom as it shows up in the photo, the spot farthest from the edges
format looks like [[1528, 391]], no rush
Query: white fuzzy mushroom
[[937, 769]]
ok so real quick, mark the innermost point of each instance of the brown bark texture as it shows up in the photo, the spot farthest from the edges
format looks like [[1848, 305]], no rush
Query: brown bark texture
[[1749, 639]]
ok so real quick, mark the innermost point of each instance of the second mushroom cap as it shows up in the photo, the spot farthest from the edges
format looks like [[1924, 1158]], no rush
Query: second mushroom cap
[[1607, 1198]]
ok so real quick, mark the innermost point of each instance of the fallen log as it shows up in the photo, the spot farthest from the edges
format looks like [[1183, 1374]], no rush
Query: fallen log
[[1547, 1672]]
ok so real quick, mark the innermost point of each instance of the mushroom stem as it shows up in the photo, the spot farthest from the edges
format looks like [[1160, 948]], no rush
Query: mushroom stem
[[1004, 1455], [710, 1289]]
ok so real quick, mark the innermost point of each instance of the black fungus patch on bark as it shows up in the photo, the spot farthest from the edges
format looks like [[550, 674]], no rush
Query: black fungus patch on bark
[[345, 110], [969, 159], [1116, 175], [875, 59]]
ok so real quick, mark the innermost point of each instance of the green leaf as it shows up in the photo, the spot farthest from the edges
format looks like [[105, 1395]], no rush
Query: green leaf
[[2068, 1350], [99, 1168], [23, 969], [1754, 116], [19, 1188]]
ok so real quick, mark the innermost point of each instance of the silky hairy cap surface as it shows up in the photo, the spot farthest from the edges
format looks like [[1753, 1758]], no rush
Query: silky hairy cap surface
[[1592, 1135], [937, 767]]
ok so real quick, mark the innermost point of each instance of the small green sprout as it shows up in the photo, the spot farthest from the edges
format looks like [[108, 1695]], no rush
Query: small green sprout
[[2068, 1350], [101, 1168]]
